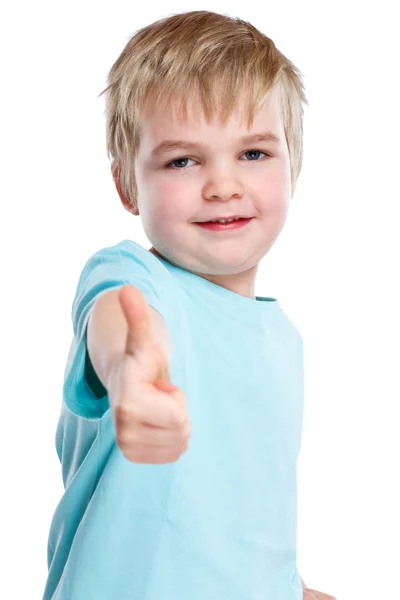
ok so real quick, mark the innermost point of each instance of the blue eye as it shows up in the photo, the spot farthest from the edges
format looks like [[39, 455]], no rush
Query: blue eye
[[172, 164], [256, 151]]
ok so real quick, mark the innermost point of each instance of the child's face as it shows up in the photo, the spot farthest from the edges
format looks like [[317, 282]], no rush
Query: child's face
[[222, 178]]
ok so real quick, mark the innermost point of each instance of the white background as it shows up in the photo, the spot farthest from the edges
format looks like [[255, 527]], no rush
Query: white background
[[334, 267]]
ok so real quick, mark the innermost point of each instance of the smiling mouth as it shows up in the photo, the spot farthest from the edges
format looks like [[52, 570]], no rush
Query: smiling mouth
[[218, 226], [227, 218]]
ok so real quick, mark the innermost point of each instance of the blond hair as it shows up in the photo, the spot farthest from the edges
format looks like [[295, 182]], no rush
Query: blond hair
[[219, 57]]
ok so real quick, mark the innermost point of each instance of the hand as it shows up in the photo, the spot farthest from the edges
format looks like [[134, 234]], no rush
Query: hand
[[149, 412], [309, 594]]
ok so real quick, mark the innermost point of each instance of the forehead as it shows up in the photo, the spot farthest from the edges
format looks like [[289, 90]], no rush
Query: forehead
[[165, 121]]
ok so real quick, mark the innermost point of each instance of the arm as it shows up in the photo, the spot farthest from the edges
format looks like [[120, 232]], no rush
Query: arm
[[107, 331], [309, 593]]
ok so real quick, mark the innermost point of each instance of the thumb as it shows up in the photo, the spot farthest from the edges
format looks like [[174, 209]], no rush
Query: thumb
[[136, 311], [165, 386]]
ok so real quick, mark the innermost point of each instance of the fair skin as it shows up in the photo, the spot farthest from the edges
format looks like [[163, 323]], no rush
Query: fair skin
[[223, 176]]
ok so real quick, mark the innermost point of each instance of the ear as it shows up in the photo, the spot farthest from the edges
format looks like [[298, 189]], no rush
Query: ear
[[130, 205]]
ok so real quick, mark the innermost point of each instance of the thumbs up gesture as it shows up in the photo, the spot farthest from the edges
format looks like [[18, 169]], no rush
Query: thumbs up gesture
[[149, 412]]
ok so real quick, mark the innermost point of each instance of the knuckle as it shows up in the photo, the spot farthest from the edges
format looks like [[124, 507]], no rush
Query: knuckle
[[185, 435], [187, 429], [124, 412], [128, 438], [135, 412], [177, 418]]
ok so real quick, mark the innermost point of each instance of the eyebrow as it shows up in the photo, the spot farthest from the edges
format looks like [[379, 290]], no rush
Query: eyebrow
[[167, 145]]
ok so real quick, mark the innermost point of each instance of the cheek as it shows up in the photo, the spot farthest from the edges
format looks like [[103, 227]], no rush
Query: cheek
[[171, 200], [275, 189]]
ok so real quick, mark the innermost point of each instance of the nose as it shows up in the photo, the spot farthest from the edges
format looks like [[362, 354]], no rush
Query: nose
[[223, 188]]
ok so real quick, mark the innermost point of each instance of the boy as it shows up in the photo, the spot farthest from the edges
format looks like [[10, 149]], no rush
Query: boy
[[183, 394]]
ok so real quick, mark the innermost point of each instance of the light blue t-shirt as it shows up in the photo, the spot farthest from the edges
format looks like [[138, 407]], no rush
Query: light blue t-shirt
[[221, 522]]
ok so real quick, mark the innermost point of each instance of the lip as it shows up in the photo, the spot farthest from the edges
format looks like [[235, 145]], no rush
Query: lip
[[224, 226], [224, 218]]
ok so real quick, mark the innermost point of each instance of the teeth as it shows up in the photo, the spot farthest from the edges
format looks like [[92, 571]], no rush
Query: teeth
[[225, 220]]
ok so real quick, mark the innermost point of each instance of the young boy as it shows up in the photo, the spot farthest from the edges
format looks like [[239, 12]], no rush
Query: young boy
[[182, 404]]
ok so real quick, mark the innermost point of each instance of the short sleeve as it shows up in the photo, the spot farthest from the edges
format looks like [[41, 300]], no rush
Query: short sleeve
[[109, 268]]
